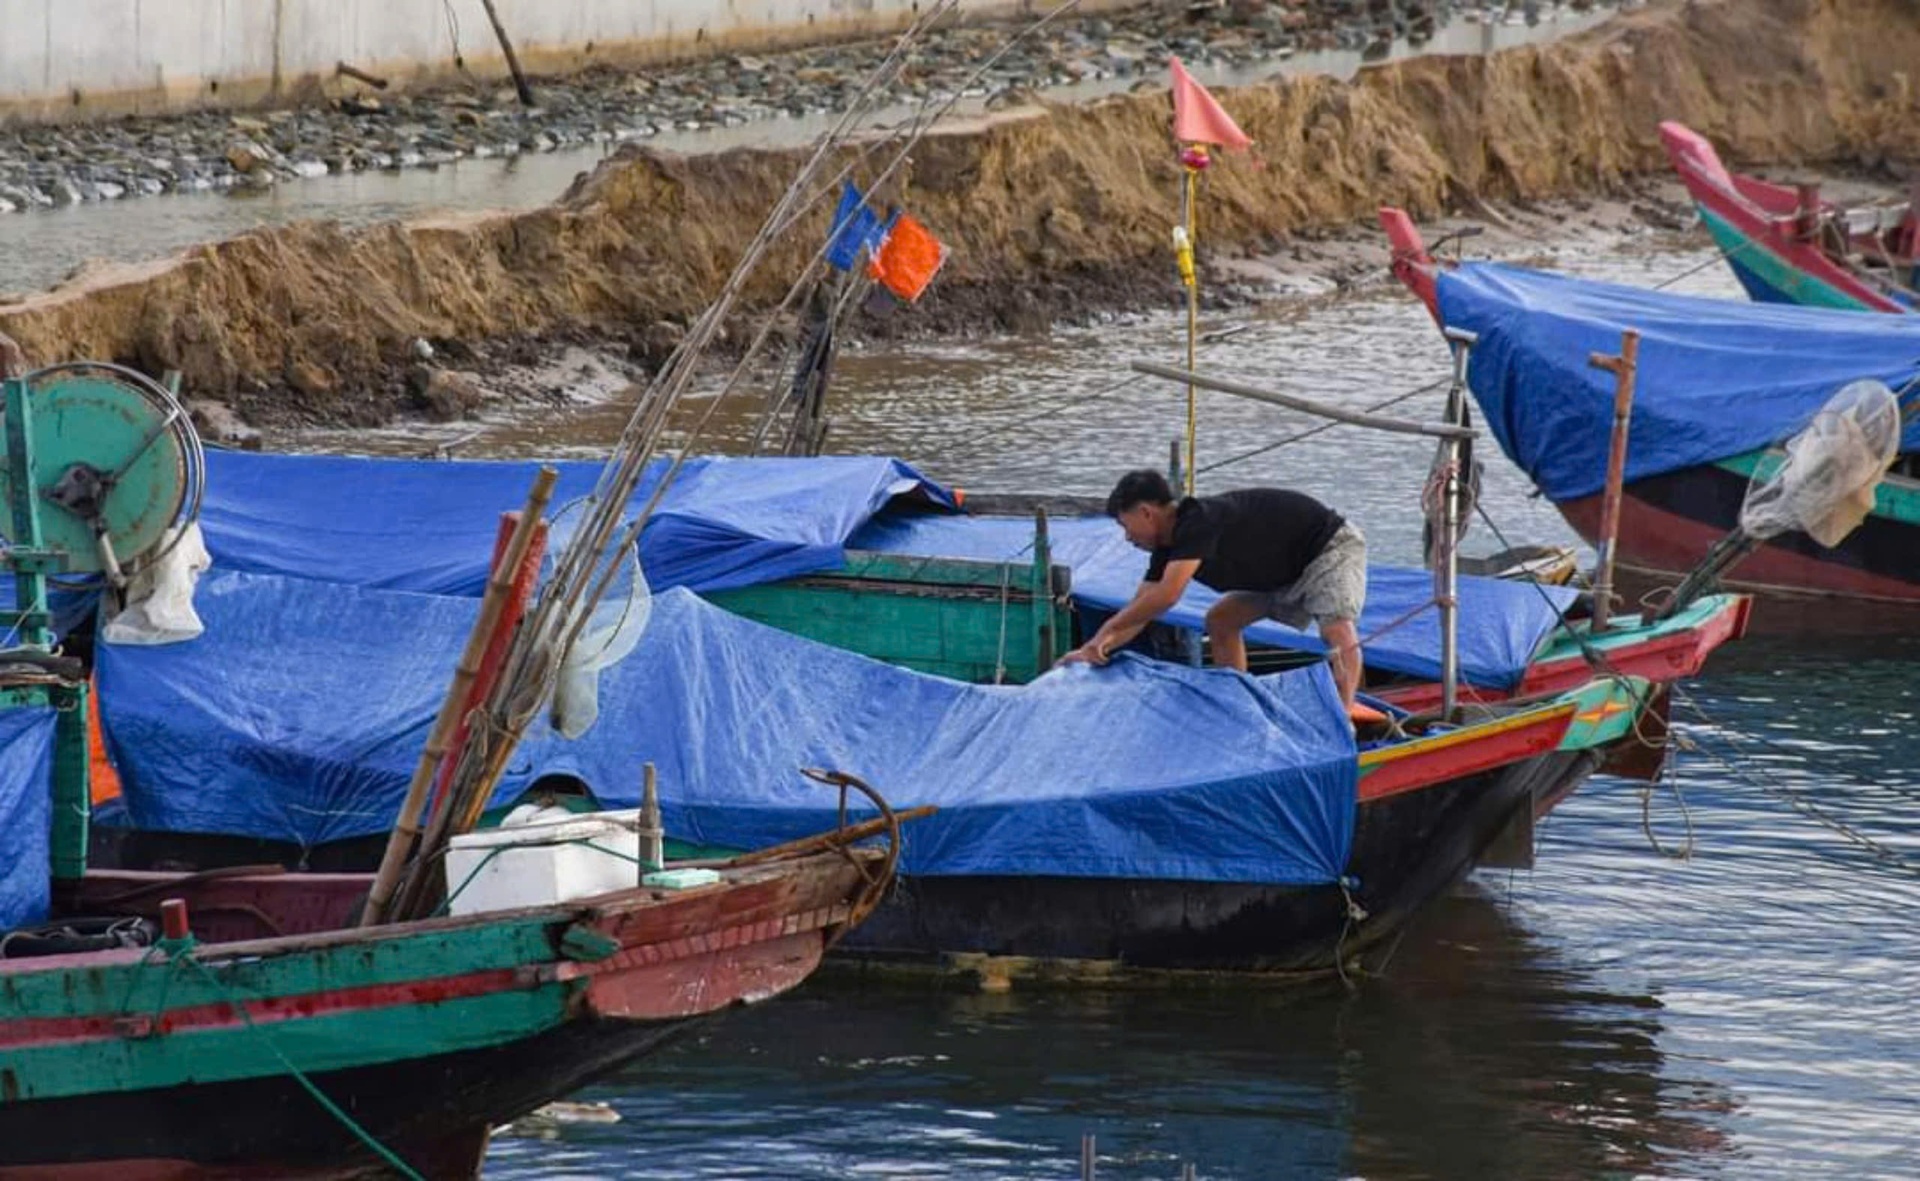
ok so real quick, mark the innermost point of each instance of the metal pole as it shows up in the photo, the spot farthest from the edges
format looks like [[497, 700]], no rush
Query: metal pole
[[1400, 426], [1086, 1157], [1622, 368], [1189, 273], [513, 60], [1447, 573]]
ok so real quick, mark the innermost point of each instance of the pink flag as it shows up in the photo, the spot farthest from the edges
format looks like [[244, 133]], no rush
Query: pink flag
[[1197, 117]]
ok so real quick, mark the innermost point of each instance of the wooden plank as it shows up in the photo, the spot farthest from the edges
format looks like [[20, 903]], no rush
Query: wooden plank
[[285, 967], [232, 1051]]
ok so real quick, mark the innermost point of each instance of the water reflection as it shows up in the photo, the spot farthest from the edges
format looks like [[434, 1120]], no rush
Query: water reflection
[[1743, 1012], [1481, 1054]]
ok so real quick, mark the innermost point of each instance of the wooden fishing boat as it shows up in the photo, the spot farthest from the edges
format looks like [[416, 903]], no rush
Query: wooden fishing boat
[[1672, 516], [272, 1037], [1787, 244], [986, 620], [1429, 809], [251, 1022]]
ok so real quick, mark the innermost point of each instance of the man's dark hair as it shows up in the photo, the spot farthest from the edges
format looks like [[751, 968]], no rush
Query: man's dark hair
[[1144, 486]]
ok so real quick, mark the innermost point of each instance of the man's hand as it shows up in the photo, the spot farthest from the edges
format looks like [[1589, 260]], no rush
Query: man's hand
[[1092, 652]]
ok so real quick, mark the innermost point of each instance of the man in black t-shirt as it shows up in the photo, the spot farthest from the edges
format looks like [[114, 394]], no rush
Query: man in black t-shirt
[[1271, 553]]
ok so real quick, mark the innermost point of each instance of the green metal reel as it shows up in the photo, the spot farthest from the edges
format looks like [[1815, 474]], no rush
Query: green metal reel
[[115, 463]]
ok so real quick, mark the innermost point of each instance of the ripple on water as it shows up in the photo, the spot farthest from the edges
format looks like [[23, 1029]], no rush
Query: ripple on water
[[1746, 1012]]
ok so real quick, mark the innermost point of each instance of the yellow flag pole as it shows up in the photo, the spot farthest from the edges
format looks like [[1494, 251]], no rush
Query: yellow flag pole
[[1194, 158]]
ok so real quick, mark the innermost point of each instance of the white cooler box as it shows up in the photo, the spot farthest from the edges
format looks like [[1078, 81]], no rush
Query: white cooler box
[[545, 862]]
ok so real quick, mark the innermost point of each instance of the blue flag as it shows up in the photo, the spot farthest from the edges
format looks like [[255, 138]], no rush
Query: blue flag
[[853, 228]]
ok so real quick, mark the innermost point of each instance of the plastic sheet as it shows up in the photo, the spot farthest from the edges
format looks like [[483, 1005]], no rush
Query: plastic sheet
[[159, 606], [1825, 487], [299, 713], [429, 525], [1716, 378], [26, 814], [1502, 624]]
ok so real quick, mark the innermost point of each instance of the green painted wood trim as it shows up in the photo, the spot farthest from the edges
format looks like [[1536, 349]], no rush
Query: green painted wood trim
[[133, 986], [1776, 272], [26, 557], [333, 1041], [1624, 631], [72, 783], [1895, 499], [1606, 712], [960, 619], [925, 572]]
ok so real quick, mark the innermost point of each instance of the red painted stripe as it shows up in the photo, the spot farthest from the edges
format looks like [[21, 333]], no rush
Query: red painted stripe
[[1441, 766], [46, 1031], [1659, 659], [264, 1011]]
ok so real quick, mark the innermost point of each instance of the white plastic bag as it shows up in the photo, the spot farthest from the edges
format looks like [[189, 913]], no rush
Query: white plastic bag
[[1825, 488], [609, 635], [159, 599]]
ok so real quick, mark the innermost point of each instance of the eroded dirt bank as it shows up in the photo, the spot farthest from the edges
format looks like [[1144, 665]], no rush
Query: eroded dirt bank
[[1051, 212]]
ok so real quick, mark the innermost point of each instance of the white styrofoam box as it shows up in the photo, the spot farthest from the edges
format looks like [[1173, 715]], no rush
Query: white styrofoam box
[[543, 863]]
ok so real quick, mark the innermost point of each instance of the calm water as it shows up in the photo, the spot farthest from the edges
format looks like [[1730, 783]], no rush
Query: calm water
[[1745, 1012], [1748, 1011]]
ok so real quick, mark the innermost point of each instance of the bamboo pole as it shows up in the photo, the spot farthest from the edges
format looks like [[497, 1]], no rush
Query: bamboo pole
[[1622, 368], [406, 830]]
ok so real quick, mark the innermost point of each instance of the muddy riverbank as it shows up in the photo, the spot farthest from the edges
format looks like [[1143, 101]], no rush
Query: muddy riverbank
[[349, 125], [1051, 212]]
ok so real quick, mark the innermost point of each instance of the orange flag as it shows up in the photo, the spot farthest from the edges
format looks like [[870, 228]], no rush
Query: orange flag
[[1197, 117], [907, 258]]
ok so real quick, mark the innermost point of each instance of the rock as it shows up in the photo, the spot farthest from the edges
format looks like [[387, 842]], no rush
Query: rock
[[655, 344], [250, 126], [246, 157], [443, 396], [217, 422], [315, 381], [63, 191]]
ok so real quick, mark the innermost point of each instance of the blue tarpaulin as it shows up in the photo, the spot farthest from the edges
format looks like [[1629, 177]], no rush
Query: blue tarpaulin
[[428, 525], [26, 814], [1501, 623], [299, 714], [1716, 378]]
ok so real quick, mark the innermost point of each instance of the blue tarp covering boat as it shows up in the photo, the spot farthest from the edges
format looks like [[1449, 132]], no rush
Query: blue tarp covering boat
[[1501, 624], [1716, 378], [26, 813], [428, 525], [299, 714]]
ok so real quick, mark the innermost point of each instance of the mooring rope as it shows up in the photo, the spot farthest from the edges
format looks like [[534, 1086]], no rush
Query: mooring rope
[[1761, 779], [179, 952]]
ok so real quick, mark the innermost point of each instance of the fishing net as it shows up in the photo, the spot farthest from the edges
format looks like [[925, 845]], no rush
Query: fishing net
[[1825, 487], [605, 637]]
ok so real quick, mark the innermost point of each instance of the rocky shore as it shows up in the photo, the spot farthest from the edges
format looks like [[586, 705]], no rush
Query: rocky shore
[[361, 128]]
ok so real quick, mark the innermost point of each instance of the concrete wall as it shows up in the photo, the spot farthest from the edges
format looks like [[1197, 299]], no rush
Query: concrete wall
[[68, 58]]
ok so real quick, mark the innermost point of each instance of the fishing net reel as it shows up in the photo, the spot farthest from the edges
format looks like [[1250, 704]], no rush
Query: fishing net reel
[[113, 465]]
